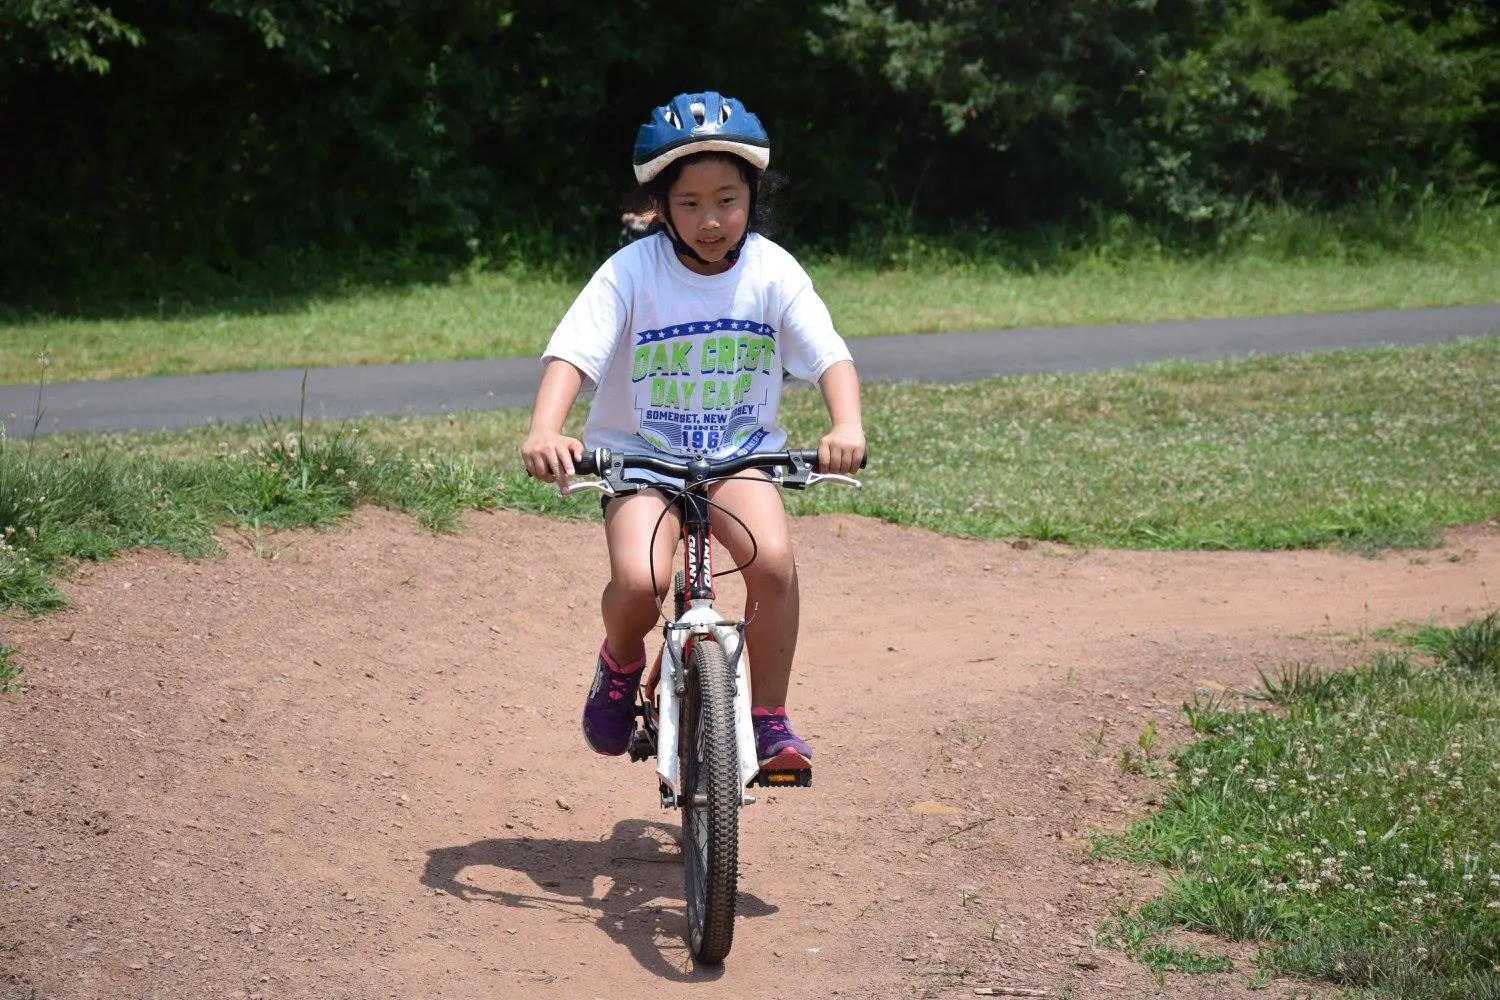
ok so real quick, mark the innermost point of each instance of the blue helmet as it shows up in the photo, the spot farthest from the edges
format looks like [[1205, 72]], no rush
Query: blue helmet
[[699, 123]]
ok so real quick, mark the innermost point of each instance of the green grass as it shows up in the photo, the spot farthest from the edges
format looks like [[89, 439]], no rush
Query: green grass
[[1362, 449], [60, 505], [1350, 823], [1142, 940], [10, 671], [1370, 449], [1278, 261]]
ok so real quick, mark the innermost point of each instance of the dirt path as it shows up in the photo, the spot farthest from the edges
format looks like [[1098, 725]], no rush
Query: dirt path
[[354, 771]]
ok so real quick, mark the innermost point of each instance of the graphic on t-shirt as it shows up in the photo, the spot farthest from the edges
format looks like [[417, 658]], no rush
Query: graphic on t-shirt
[[699, 387]]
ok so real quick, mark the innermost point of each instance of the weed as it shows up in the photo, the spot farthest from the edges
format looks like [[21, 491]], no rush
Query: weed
[[1144, 763], [1206, 713], [1473, 647], [1093, 745], [1169, 958], [10, 671]]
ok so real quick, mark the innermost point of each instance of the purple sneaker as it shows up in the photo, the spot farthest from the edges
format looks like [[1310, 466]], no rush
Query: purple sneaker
[[609, 712], [776, 746]]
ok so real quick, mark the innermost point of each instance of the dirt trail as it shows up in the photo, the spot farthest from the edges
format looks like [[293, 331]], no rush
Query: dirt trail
[[354, 770]]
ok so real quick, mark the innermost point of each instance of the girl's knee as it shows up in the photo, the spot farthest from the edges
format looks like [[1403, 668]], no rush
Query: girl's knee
[[773, 568], [633, 586]]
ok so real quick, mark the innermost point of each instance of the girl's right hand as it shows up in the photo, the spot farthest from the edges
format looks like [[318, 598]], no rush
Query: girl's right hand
[[549, 456]]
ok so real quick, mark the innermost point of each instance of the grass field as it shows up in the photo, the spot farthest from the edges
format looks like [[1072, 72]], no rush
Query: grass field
[[1285, 262], [1364, 449], [1347, 822]]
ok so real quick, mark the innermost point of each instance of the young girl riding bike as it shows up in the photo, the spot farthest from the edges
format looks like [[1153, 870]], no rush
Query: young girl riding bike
[[684, 335]]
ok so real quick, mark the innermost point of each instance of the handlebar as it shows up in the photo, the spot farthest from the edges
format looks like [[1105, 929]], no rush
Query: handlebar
[[600, 461]]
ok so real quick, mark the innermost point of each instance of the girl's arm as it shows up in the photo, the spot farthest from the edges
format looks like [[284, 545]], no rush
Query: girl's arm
[[842, 448], [547, 452]]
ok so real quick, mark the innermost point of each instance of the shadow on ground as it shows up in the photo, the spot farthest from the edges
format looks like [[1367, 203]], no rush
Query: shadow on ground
[[642, 908]]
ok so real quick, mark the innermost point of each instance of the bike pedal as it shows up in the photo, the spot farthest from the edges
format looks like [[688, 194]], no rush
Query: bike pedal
[[800, 778], [642, 746]]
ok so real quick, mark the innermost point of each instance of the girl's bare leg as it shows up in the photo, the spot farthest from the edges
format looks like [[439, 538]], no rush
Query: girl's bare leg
[[629, 603], [771, 600]]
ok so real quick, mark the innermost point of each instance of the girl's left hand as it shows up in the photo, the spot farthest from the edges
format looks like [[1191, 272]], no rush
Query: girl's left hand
[[841, 450]]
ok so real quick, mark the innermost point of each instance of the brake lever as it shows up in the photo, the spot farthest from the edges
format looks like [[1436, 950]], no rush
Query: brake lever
[[802, 476], [609, 487], [601, 485]]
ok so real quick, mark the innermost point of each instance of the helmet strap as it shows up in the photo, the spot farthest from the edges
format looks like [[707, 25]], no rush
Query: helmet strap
[[682, 248]]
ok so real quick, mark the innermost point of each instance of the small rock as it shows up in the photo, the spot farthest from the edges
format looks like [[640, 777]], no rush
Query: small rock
[[909, 958], [563, 803]]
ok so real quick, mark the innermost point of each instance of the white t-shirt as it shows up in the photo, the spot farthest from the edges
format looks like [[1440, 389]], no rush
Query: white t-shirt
[[687, 364]]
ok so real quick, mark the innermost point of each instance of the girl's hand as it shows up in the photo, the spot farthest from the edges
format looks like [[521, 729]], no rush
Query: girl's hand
[[842, 449], [549, 456]]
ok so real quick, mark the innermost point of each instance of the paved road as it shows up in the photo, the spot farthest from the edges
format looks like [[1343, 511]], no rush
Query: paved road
[[407, 390]]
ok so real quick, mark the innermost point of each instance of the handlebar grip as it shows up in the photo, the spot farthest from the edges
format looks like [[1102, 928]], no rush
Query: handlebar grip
[[592, 462], [810, 456]]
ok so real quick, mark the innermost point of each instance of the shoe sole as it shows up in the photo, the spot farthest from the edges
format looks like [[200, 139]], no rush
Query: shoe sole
[[583, 729], [787, 760]]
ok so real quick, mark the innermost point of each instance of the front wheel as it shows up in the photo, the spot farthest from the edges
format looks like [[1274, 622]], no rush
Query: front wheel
[[710, 802]]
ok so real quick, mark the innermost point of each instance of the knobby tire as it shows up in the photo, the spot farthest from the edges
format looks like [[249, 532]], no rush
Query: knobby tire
[[710, 832]]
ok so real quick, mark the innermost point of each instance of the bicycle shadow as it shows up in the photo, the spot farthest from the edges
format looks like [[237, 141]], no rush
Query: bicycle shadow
[[635, 911]]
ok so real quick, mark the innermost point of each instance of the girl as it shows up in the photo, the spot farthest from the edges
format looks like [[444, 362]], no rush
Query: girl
[[683, 336]]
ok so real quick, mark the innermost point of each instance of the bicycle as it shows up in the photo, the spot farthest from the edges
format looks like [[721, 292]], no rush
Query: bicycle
[[701, 713]]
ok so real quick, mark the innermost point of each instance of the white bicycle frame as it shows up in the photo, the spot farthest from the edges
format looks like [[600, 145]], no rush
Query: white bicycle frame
[[700, 620]]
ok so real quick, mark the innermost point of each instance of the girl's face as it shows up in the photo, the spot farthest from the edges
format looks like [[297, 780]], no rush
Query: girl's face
[[710, 208]]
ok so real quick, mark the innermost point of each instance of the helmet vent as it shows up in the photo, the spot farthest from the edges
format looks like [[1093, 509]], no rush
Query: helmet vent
[[671, 117], [723, 114], [698, 112]]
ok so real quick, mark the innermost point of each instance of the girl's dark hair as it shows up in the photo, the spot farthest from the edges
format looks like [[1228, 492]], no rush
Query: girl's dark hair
[[763, 187]]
